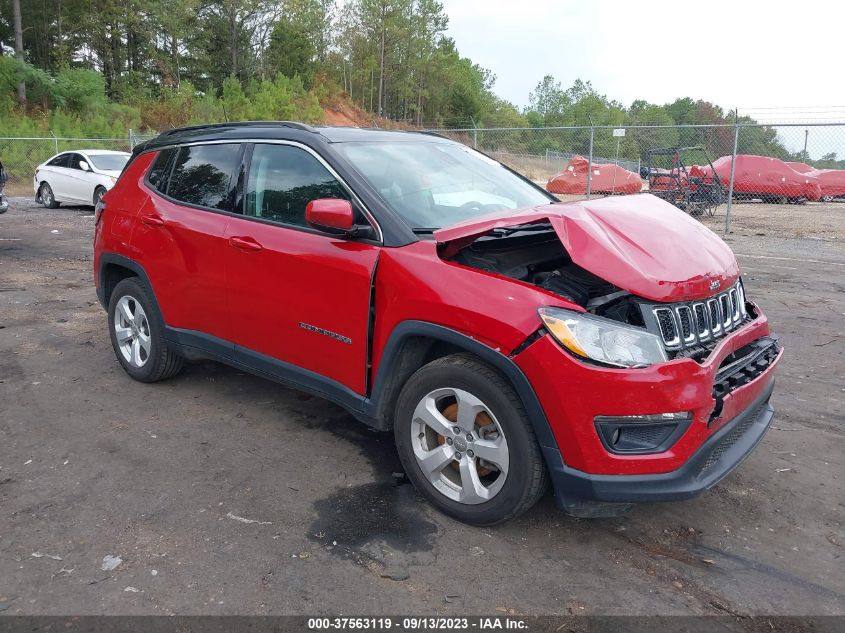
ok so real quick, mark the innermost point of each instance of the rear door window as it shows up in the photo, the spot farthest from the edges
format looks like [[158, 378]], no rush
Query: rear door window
[[283, 179], [203, 175], [160, 171], [61, 160]]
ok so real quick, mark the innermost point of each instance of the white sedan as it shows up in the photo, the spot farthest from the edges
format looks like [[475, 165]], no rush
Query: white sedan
[[79, 177]]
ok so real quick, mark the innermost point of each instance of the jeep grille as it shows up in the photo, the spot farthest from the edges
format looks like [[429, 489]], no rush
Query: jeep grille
[[692, 326]]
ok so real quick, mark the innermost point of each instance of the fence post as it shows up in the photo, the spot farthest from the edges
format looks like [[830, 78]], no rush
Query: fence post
[[731, 183], [590, 160], [131, 143], [55, 141]]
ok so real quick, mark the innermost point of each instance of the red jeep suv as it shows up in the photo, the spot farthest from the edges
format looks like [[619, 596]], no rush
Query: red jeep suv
[[508, 339]]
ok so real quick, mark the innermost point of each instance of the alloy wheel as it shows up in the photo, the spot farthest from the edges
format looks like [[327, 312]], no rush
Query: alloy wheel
[[132, 331], [459, 446]]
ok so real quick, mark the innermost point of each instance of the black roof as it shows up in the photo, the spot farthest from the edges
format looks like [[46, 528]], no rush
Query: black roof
[[290, 130]]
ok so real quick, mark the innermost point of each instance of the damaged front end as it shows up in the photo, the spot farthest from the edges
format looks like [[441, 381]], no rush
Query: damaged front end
[[635, 261]]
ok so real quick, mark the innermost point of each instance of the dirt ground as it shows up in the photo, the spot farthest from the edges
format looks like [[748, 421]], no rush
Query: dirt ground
[[222, 493]]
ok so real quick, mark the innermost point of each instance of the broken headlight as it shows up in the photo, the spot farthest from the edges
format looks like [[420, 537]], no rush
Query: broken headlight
[[603, 340]]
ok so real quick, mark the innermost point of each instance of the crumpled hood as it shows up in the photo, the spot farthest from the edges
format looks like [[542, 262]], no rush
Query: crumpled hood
[[639, 243]]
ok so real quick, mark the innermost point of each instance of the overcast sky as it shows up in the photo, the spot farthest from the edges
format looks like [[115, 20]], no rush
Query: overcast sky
[[747, 53]]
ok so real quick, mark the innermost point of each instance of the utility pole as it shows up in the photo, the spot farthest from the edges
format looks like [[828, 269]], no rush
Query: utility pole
[[16, 16]]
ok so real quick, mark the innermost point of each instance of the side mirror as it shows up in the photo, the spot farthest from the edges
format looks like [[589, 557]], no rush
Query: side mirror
[[84, 166], [331, 215]]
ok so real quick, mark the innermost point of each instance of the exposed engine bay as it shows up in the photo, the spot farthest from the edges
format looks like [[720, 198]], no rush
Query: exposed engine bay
[[534, 254]]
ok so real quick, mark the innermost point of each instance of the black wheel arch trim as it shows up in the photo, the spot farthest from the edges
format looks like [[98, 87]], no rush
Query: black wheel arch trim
[[108, 259], [380, 396]]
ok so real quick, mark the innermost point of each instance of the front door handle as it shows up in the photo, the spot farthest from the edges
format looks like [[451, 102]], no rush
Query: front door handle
[[245, 243], [152, 221]]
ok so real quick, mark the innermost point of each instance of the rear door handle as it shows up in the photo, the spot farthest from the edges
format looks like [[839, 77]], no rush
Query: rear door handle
[[152, 221], [245, 243]]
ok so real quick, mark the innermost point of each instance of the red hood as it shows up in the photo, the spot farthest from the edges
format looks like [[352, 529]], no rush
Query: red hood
[[639, 243]]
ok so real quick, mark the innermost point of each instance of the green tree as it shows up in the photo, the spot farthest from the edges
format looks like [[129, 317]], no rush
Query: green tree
[[291, 52]]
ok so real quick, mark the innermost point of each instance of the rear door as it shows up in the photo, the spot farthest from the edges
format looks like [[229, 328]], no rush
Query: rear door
[[296, 295], [179, 238], [55, 174]]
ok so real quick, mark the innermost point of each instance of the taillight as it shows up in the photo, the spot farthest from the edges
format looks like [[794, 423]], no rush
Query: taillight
[[98, 211]]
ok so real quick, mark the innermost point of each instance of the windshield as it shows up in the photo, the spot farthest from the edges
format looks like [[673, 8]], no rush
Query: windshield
[[109, 162], [432, 185]]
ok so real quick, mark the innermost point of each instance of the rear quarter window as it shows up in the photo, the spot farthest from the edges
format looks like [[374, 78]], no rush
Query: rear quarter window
[[203, 175], [159, 172]]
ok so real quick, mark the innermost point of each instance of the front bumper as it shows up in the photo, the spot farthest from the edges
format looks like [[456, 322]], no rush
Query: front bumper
[[717, 457], [573, 393], [730, 413]]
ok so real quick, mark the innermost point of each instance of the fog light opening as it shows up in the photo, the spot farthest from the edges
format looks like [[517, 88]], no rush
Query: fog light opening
[[641, 434]]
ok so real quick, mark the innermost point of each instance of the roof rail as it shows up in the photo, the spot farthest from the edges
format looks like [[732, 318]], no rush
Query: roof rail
[[291, 124]]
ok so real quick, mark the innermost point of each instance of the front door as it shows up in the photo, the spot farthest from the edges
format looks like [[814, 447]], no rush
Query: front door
[[80, 183], [296, 295]]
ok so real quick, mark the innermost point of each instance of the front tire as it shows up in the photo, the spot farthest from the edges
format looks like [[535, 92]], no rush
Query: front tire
[[99, 192], [137, 334], [466, 443], [48, 198]]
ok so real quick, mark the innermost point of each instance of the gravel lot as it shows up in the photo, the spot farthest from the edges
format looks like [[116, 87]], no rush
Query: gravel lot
[[223, 493]]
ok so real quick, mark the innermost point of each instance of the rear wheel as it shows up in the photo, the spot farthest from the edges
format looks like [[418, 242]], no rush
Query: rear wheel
[[137, 334], [48, 199], [466, 442]]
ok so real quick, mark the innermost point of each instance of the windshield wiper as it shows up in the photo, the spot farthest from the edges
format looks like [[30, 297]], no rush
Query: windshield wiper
[[425, 230]]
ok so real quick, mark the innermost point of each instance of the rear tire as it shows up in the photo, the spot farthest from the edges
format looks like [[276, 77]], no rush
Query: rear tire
[[48, 199], [137, 334], [490, 471]]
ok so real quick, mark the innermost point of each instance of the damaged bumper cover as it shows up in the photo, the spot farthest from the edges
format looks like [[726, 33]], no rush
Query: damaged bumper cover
[[718, 456], [726, 397]]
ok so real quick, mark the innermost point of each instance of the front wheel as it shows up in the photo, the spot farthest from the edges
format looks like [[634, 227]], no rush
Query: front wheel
[[466, 443], [99, 192]]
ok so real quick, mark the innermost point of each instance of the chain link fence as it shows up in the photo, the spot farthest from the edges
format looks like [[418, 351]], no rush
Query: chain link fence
[[20, 156], [703, 169]]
